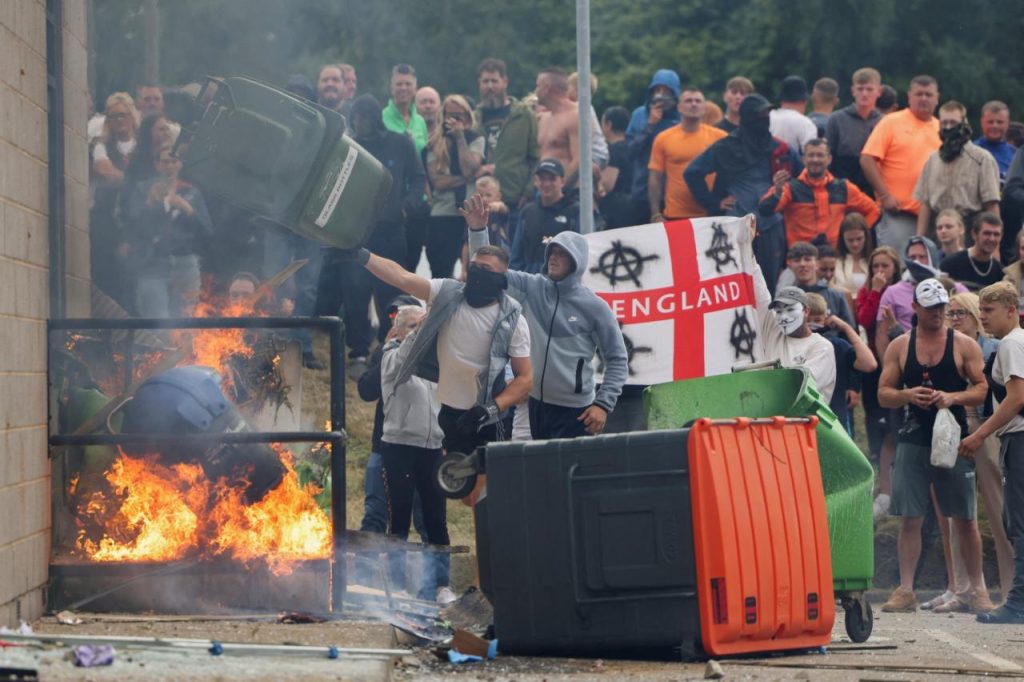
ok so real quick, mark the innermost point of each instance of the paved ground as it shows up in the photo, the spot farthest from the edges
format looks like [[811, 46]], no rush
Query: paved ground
[[921, 646], [919, 641]]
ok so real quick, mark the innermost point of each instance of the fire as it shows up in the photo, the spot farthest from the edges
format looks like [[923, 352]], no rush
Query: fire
[[285, 526], [215, 347], [158, 515], [161, 513]]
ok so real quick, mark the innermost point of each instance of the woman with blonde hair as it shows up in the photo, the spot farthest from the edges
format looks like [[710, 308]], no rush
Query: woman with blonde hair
[[452, 157], [110, 157], [949, 231], [964, 315]]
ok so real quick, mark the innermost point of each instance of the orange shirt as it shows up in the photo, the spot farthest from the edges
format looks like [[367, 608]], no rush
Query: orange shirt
[[902, 143], [672, 152]]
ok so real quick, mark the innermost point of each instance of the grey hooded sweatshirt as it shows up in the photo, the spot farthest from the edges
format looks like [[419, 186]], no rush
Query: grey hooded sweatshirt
[[568, 322]]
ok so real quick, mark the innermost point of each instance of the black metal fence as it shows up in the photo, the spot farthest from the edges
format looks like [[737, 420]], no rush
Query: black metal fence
[[334, 436]]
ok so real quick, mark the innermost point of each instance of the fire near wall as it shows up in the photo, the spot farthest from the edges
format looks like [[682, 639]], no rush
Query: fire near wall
[[24, 273]]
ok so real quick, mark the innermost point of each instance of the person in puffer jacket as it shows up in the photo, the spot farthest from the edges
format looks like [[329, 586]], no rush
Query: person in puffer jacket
[[410, 449], [568, 323]]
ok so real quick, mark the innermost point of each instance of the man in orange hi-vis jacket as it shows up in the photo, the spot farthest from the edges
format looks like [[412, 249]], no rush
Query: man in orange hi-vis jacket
[[814, 202]]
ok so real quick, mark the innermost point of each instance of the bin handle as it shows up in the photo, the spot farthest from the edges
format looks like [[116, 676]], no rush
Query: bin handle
[[764, 364]]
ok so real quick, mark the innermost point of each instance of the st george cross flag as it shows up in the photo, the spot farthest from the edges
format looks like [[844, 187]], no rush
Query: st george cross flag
[[682, 294]]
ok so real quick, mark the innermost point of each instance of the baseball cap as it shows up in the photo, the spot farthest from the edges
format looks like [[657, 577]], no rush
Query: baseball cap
[[930, 293], [788, 296], [553, 166]]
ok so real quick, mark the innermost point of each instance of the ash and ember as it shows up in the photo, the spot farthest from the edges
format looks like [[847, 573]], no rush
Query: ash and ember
[[135, 507]]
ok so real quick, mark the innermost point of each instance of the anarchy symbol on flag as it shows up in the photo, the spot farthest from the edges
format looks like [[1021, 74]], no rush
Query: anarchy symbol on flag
[[682, 290]]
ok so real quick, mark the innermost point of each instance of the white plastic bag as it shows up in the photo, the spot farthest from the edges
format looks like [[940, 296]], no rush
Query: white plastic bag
[[945, 440]]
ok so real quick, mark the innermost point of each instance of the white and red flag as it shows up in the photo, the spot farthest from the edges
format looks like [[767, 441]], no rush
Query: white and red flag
[[683, 294]]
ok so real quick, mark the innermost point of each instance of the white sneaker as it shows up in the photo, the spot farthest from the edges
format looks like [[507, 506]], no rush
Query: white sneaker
[[881, 506], [445, 596]]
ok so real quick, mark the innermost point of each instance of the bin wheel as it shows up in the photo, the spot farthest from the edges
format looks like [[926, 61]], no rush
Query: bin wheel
[[454, 475], [859, 621]]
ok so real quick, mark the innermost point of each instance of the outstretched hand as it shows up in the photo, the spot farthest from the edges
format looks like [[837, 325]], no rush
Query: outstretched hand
[[476, 212]]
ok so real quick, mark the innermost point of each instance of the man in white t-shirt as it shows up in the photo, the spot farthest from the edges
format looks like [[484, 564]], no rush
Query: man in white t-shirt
[[999, 315], [787, 337], [788, 122], [471, 332]]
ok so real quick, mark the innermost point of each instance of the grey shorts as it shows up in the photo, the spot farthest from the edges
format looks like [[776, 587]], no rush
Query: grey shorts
[[912, 479]]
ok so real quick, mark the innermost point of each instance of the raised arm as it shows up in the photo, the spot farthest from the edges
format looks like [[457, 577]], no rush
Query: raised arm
[[390, 272]]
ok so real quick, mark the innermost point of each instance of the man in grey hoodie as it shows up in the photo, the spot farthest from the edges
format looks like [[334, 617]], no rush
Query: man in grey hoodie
[[568, 323]]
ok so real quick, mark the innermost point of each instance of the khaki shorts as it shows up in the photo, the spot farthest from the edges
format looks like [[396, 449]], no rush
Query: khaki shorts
[[912, 479]]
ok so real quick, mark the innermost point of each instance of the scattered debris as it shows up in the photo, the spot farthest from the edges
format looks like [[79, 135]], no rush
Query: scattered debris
[[68, 618], [468, 643], [471, 611], [93, 655], [713, 670], [300, 618]]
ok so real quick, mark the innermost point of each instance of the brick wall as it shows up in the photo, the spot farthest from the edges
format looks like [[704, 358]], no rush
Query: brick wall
[[24, 296]]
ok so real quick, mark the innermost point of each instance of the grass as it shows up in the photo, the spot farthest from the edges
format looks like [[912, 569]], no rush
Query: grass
[[359, 427]]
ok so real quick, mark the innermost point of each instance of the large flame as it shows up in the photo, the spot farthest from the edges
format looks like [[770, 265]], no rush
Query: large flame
[[215, 347], [160, 513], [285, 526], [154, 514]]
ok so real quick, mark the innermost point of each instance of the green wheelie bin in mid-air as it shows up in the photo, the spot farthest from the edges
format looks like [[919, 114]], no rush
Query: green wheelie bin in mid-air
[[847, 475], [285, 159]]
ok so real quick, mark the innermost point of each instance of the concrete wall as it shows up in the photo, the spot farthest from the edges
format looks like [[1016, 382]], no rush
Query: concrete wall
[[24, 295]]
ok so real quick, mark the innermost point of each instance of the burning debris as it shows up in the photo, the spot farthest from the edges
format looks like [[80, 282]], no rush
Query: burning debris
[[154, 512], [243, 501]]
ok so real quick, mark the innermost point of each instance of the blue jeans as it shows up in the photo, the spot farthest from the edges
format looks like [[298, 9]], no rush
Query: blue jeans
[[168, 287]]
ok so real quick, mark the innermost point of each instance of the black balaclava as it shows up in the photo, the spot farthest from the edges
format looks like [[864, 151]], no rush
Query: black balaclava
[[366, 111], [483, 286], [752, 142], [953, 141], [754, 125]]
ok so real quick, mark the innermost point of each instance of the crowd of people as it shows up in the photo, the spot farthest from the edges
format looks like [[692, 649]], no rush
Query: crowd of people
[[888, 250]]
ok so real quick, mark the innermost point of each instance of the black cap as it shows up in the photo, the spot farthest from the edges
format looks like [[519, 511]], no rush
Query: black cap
[[794, 89], [553, 166], [754, 104]]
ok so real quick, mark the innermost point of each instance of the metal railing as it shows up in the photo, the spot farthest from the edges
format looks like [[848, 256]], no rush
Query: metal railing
[[335, 437]]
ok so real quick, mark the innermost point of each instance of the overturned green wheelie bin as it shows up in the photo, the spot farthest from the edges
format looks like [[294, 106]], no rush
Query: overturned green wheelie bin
[[285, 159], [847, 475]]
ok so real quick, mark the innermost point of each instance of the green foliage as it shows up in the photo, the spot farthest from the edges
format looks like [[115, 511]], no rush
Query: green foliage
[[970, 46]]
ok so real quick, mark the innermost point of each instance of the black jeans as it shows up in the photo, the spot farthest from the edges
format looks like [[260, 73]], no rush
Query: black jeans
[[409, 470], [346, 286], [445, 237], [1012, 455], [555, 421], [415, 239]]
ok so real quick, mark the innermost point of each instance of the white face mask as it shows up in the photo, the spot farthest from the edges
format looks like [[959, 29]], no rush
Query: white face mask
[[790, 317]]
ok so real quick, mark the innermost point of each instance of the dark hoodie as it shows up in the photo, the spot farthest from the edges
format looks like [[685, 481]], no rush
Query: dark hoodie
[[538, 223], [396, 153], [640, 137], [568, 323], [743, 162]]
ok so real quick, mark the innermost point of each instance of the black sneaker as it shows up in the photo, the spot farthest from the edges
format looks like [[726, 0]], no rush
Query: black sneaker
[[310, 361], [1003, 615]]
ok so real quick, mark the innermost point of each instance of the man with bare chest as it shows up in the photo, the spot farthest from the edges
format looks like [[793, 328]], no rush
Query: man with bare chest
[[927, 369], [558, 132]]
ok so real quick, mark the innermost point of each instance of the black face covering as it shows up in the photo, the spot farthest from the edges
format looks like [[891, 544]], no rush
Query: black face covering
[[953, 141], [483, 286]]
